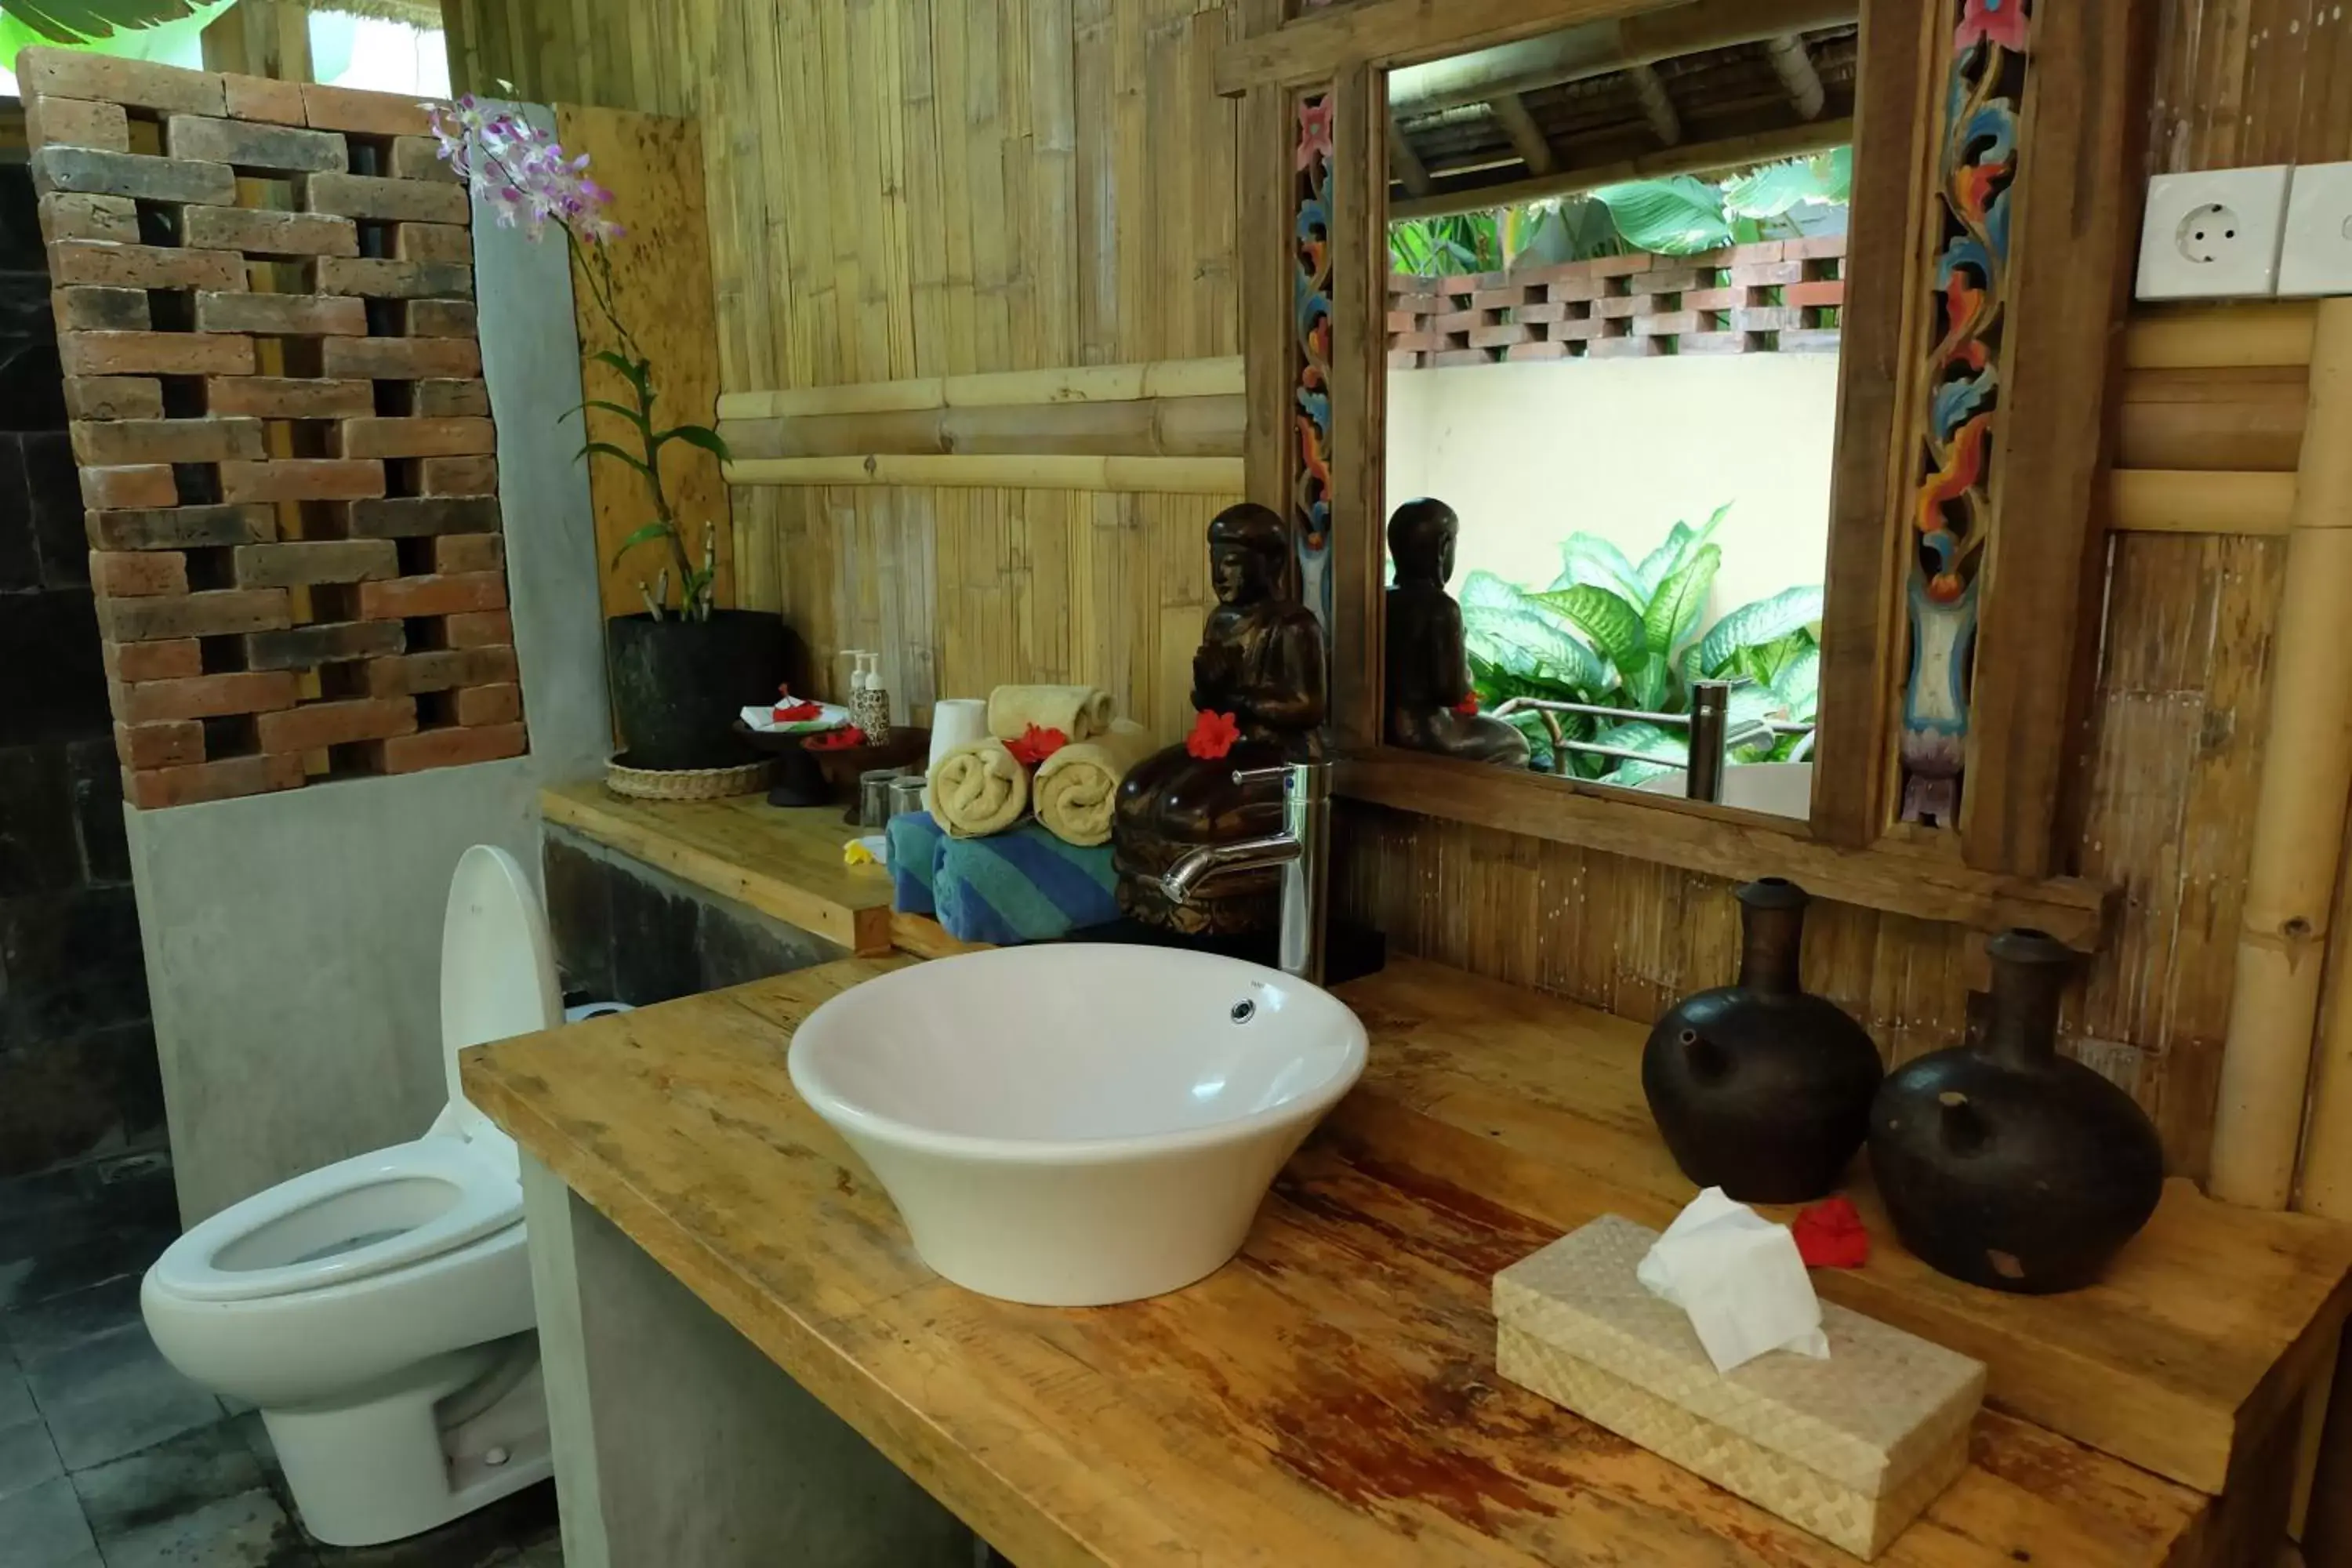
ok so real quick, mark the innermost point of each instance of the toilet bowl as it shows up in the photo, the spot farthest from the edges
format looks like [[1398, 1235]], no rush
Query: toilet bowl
[[378, 1311]]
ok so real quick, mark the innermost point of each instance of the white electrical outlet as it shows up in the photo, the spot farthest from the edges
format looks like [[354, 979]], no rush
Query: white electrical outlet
[[2316, 257], [2212, 234]]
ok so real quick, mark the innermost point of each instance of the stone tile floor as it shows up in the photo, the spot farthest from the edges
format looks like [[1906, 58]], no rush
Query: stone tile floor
[[108, 1458]]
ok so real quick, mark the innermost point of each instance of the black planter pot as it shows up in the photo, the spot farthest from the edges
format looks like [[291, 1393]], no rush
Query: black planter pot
[[679, 686], [2005, 1163], [1762, 1088]]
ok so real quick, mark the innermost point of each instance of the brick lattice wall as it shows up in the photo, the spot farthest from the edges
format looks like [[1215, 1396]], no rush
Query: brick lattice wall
[[263, 298], [1780, 296]]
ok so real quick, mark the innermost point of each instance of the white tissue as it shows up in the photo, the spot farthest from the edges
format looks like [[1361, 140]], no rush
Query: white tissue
[[1740, 1278]]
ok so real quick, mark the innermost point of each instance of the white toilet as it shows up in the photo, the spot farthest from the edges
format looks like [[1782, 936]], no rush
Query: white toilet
[[378, 1311]]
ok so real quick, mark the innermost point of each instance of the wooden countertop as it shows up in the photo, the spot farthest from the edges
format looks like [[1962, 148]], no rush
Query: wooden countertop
[[784, 861], [1331, 1395]]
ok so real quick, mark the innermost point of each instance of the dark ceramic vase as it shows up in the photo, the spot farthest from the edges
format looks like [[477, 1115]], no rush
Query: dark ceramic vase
[[2005, 1163], [679, 685], [1762, 1088]]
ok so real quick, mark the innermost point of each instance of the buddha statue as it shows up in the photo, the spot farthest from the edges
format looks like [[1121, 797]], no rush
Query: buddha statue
[[1428, 678], [1261, 661]]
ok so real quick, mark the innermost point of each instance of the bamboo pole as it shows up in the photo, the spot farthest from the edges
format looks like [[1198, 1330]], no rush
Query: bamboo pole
[[2212, 337], [1216, 377], [1166, 476], [2248, 417], [2266, 1063], [1151, 427], [2169, 500]]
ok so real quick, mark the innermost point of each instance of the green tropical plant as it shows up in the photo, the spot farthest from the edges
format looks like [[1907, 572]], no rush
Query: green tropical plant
[[140, 30], [1677, 215], [1614, 632]]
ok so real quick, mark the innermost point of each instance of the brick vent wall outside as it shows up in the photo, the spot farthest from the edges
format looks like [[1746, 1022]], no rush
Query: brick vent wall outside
[[77, 1073], [1778, 296], [263, 293]]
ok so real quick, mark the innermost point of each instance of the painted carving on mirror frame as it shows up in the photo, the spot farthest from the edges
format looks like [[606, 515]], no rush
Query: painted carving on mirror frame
[[1960, 406], [1310, 306]]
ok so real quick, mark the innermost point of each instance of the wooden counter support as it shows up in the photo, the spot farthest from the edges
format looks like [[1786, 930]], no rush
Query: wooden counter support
[[1330, 1398]]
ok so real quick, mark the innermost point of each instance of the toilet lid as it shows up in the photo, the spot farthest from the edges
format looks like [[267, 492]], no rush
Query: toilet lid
[[498, 972]]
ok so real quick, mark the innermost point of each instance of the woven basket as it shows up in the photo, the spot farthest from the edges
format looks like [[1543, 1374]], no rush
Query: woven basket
[[687, 784]]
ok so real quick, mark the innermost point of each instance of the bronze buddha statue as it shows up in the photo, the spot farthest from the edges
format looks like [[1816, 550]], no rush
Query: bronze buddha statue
[[1261, 660], [1428, 677]]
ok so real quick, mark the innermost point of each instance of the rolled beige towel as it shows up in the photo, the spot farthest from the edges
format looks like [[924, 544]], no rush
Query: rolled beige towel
[[978, 789], [1078, 786], [1081, 712]]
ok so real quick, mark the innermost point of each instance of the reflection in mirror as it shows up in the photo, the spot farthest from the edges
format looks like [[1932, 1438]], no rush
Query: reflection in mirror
[[1617, 269]]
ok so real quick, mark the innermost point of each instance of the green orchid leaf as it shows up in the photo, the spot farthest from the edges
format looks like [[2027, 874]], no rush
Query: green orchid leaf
[[633, 415], [1614, 626], [1673, 615], [643, 535], [1757, 622], [606, 449], [700, 436], [637, 373]]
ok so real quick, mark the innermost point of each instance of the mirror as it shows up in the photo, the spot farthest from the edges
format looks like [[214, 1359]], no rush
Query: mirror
[[1616, 283]]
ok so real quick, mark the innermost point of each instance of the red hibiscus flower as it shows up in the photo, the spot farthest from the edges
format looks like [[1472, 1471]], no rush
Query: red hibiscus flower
[[1468, 706], [1034, 745], [1213, 735], [1830, 1236], [839, 740], [795, 712]]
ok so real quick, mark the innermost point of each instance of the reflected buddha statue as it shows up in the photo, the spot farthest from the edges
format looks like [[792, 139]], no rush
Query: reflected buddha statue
[[1261, 662], [1428, 676]]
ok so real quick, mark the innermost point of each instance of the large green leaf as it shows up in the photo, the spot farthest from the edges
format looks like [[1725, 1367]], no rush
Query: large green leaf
[[1588, 558], [1770, 190], [1673, 615], [1614, 626], [1506, 630], [1668, 746], [1679, 216], [1647, 683], [1797, 684], [1755, 624], [76, 22]]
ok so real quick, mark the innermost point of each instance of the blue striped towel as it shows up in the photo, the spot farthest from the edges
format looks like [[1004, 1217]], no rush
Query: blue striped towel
[[1023, 885]]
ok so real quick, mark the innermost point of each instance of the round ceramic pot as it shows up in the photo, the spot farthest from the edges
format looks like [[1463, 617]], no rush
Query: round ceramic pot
[[2005, 1163], [1761, 1088], [679, 686]]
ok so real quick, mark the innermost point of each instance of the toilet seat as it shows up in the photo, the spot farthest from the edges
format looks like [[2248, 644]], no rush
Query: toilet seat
[[361, 1216]]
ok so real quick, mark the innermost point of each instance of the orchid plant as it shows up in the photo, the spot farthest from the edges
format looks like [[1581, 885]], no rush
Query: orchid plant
[[521, 172]]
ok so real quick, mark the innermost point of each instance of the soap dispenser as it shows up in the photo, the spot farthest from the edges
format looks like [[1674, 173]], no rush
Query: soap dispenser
[[869, 700]]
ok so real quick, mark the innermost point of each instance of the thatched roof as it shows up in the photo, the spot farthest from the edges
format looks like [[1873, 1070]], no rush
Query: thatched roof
[[1494, 130]]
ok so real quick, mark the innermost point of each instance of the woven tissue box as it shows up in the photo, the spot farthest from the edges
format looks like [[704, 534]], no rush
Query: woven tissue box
[[1852, 1449]]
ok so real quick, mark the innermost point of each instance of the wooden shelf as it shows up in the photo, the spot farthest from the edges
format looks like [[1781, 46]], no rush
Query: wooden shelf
[[1721, 842], [783, 861], [1331, 1397]]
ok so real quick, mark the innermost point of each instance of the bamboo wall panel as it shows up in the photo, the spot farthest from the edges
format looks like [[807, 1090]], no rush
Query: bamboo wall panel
[[920, 187], [903, 188], [653, 166]]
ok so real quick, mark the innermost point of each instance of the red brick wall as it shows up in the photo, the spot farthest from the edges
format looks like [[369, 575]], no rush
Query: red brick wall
[[264, 301], [1780, 296]]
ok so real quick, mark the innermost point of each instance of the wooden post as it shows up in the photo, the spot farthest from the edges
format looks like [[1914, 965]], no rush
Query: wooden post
[[2299, 818]]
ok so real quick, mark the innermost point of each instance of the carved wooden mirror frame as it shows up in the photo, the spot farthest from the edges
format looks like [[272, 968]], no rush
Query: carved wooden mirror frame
[[1996, 197]]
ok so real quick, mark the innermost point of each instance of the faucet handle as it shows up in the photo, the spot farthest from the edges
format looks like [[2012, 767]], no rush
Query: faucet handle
[[1258, 776]]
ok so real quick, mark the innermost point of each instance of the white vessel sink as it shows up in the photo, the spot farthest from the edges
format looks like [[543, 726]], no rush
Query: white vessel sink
[[1074, 1125]]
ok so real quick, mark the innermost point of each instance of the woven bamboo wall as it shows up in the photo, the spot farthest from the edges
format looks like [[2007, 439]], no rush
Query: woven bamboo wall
[[926, 187], [905, 187]]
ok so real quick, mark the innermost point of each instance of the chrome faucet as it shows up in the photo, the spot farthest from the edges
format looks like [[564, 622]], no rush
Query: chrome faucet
[[1303, 850]]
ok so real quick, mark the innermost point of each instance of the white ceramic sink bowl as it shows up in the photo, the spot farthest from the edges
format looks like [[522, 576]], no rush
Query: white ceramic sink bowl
[[1074, 1125]]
